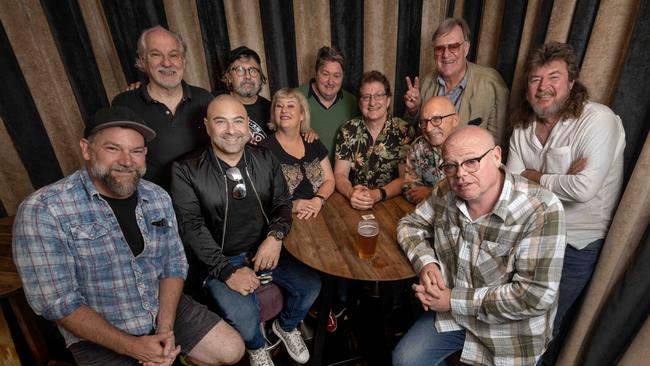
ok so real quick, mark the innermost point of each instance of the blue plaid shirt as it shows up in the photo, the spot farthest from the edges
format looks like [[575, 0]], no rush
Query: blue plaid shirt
[[70, 251]]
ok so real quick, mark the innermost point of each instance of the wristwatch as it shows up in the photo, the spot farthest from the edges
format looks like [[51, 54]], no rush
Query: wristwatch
[[277, 234], [383, 194], [322, 199]]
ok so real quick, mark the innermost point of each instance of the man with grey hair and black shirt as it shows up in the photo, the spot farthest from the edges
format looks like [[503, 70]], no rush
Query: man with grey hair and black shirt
[[478, 93], [171, 107]]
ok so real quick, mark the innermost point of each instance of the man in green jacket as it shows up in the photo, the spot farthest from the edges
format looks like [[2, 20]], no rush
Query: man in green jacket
[[329, 105], [478, 93]]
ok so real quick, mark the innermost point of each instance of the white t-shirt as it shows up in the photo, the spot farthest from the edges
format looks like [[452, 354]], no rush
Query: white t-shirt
[[589, 197]]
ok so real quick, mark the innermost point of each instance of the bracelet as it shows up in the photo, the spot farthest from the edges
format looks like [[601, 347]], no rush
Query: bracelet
[[322, 199]]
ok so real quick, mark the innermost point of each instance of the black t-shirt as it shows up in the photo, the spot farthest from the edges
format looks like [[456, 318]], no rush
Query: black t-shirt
[[304, 176], [176, 134], [246, 227], [124, 210]]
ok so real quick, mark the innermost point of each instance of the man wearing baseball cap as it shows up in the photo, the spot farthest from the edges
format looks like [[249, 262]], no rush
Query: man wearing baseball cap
[[244, 78], [98, 253]]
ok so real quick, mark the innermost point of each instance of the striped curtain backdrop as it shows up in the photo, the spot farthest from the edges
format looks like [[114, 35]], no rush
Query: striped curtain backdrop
[[63, 59]]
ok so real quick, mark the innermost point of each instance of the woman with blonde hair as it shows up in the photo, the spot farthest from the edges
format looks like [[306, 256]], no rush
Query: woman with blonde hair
[[305, 164]]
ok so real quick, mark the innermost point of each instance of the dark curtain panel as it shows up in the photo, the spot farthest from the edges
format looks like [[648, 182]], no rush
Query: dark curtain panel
[[409, 25], [214, 32], [23, 122], [541, 23], [632, 98], [472, 11], [127, 19], [625, 313], [347, 36], [513, 23], [69, 30], [582, 25], [279, 43]]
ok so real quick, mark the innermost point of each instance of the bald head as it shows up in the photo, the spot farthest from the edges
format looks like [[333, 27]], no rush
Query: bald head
[[227, 125], [436, 110]]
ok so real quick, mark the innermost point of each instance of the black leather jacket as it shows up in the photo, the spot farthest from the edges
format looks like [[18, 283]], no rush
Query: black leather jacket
[[198, 190]]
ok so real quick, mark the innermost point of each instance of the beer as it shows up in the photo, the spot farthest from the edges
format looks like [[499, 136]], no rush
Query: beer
[[367, 233]]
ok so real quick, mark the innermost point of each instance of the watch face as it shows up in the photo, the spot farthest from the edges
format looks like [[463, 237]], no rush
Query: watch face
[[279, 235]]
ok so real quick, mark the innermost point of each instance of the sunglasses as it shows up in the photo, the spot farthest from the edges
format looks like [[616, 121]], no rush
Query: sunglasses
[[452, 47], [239, 190]]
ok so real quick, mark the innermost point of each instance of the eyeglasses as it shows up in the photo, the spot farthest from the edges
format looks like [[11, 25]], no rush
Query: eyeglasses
[[378, 97], [239, 190], [241, 71], [470, 165], [435, 121], [452, 47]]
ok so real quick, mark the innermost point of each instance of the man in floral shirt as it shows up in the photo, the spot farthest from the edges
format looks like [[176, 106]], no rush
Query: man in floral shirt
[[437, 120], [369, 148]]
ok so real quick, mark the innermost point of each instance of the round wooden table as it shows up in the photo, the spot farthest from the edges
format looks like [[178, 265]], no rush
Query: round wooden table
[[326, 243]]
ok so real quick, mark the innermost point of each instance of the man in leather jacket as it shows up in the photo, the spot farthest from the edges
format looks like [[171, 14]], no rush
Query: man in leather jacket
[[234, 210]]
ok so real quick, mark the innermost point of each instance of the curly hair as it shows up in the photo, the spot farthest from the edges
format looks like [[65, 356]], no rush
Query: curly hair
[[524, 115]]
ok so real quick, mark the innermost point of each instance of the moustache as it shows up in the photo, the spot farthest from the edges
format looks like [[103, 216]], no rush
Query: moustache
[[544, 94]]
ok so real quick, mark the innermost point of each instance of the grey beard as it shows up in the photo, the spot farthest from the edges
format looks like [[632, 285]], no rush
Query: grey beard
[[247, 93], [119, 189]]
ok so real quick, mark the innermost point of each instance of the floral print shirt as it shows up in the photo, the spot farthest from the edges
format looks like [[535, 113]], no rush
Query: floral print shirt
[[422, 166], [373, 163]]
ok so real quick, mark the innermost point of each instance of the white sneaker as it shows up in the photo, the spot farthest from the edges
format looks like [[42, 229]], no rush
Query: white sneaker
[[293, 342], [259, 357]]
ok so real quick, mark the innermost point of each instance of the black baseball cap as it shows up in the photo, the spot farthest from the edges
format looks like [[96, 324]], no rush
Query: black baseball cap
[[240, 52], [118, 116]]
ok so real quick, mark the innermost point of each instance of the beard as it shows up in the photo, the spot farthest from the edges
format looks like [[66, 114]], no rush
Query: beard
[[117, 187], [247, 88], [552, 110]]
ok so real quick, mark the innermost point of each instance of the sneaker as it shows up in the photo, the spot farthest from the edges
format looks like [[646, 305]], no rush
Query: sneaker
[[259, 357], [293, 342]]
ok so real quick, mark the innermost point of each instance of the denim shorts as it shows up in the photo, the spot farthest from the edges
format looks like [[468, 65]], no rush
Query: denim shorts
[[193, 322]]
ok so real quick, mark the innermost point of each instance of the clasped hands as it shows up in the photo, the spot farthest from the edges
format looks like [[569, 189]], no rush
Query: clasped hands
[[363, 198], [244, 280], [431, 291], [159, 349]]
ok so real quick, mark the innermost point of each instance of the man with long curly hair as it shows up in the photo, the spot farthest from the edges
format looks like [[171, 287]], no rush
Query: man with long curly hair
[[573, 147]]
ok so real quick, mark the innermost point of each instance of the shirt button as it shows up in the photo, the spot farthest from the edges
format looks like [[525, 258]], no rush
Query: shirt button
[[167, 112]]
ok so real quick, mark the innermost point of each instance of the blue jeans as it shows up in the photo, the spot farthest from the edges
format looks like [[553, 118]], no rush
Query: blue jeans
[[422, 345], [300, 286], [576, 272]]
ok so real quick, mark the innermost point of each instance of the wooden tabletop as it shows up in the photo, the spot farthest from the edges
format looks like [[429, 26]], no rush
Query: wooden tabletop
[[9, 279], [326, 243]]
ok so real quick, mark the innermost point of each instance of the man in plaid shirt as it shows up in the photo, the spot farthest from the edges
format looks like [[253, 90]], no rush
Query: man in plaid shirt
[[488, 247], [98, 252]]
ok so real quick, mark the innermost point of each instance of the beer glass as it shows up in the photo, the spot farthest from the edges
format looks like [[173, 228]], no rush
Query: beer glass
[[367, 233]]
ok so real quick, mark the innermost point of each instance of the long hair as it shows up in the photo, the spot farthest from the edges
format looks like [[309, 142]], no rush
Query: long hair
[[524, 115]]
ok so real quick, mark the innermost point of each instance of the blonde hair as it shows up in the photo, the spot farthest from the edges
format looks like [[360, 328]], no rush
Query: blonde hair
[[287, 93]]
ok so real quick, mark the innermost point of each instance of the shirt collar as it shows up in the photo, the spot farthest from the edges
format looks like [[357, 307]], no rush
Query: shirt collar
[[187, 92], [462, 84], [312, 94]]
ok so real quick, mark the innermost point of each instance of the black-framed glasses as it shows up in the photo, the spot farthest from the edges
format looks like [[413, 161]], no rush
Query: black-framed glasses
[[435, 120], [378, 97], [452, 47], [241, 71], [239, 190], [470, 165]]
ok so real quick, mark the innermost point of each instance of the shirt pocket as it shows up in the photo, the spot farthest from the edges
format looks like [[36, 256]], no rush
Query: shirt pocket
[[494, 263], [92, 243], [557, 160]]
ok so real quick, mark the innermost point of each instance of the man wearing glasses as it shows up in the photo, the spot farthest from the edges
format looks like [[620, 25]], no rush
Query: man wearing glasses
[[244, 78], [488, 247], [437, 120], [573, 147], [234, 209], [477, 92], [171, 107]]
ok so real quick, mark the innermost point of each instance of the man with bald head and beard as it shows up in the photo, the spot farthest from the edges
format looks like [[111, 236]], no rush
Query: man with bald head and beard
[[234, 210], [99, 253], [422, 170], [488, 247], [573, 147]]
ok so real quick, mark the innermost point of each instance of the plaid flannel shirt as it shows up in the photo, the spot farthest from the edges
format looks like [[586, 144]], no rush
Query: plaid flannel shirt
[[70, 251], [504, 268]]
